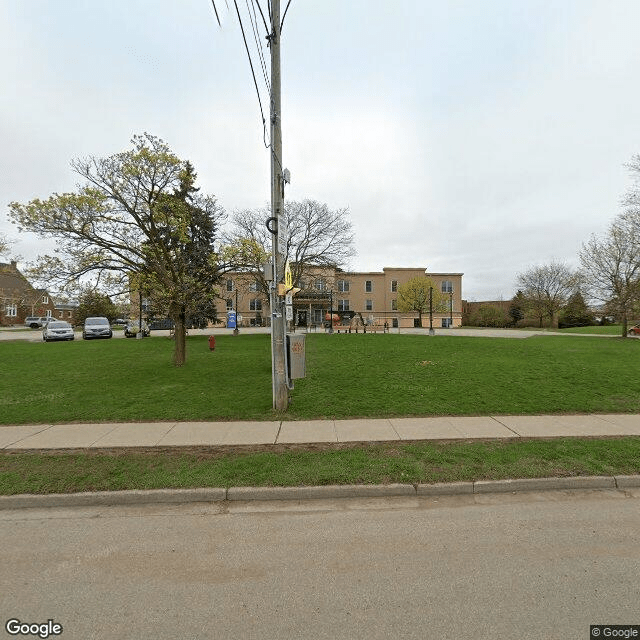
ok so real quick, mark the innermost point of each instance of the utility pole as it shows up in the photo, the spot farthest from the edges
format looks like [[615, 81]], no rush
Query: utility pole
[[278, 325]]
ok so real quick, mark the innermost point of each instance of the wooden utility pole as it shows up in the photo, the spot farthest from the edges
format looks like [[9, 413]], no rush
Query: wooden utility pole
[[278, 324]]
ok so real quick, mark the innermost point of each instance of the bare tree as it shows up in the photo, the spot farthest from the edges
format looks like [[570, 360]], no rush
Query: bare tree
[[611, 265], [319, 237], [547, 288], [631, 199]]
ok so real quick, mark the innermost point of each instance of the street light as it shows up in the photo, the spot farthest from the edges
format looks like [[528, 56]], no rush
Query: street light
[[235, 329], [431, 331], [331, 311], [140, 334], [451, 309]]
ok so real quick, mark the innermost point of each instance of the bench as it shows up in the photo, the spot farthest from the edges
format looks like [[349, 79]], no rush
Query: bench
[[360, 329]]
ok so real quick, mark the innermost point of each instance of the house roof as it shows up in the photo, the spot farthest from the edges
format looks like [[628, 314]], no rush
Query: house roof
[[11, 279]]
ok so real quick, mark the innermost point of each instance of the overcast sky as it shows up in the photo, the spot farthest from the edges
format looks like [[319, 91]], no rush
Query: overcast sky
[[470, 136]]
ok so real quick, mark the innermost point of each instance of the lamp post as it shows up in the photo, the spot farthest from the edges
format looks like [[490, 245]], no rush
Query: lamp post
[[451, 309], [331, 311], [431, 331], [235, 329], [139, 334]]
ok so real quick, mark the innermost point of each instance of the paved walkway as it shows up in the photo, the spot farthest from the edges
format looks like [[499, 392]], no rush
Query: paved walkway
[[176, 434]]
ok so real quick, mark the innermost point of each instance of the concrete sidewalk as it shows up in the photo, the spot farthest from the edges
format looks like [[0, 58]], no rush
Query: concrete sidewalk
[[177, 434]]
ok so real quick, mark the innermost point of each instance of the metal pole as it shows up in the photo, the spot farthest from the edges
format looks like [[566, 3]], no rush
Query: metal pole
[[235, 329], [431, 331], [139, 335], [331, 311], [451, 309], [278, 326]]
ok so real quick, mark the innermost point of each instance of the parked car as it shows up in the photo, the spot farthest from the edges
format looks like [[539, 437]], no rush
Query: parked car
[[634, 331], [96, 328], [36, 322], [57, 330], [133, 326]]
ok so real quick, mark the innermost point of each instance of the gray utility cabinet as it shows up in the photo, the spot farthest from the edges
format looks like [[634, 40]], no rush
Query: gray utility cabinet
[[296, 356]]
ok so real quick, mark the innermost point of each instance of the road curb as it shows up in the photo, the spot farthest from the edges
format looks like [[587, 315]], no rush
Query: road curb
[[112, 498], [218, 494], [322, 492], [544, 484]]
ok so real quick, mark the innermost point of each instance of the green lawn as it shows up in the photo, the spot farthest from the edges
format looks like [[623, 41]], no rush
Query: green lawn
[[426, 462], [606, 330], [347, 376]]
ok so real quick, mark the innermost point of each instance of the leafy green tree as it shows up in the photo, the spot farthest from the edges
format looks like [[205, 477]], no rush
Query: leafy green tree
[[517, 308], [576, 313], [420, 295], [93, 303], [137, 219]]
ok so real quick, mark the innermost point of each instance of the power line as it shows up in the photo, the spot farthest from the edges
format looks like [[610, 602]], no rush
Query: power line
[[213, 2], [266, 26], [255, 82], [256, 36], [285, 15]]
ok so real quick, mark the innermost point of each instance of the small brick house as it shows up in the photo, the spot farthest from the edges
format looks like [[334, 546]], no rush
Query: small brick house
[[19, 299]]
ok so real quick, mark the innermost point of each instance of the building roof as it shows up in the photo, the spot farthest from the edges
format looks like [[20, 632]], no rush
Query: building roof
[[11, 279]]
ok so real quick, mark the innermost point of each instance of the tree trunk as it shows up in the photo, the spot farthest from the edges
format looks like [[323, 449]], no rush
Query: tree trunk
[[180, 349], [625, 324]]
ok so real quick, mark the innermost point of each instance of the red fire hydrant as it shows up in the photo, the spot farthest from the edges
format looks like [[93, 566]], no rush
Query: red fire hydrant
[[212, 343]]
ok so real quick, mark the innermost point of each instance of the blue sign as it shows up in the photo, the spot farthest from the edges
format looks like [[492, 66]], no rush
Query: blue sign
[[231, 319]]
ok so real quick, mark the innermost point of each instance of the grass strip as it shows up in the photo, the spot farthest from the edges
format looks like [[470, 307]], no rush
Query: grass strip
[[348, 376], [423, 462]]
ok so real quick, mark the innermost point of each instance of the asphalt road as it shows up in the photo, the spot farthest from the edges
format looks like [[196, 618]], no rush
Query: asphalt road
[[539, 565]]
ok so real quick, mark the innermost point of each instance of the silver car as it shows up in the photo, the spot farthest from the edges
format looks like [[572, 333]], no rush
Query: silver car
[[57, 330], [96, 328]]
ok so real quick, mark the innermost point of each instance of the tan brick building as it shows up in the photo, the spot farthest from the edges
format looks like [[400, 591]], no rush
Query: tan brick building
[[372, 295]]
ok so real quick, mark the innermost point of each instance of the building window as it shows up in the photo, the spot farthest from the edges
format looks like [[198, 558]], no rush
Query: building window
[[229, 285], [368, 305], [45, 299], [446, 323], [343, 286], [320, 284], [255, 304], [317, 316], [394, 305], [229, 304], [253, 286], [368, 286], [447, 286], [343, 305], [394, 286], [12, 310]]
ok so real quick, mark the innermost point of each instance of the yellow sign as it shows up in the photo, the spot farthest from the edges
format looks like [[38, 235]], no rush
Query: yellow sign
[[288, 278]]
